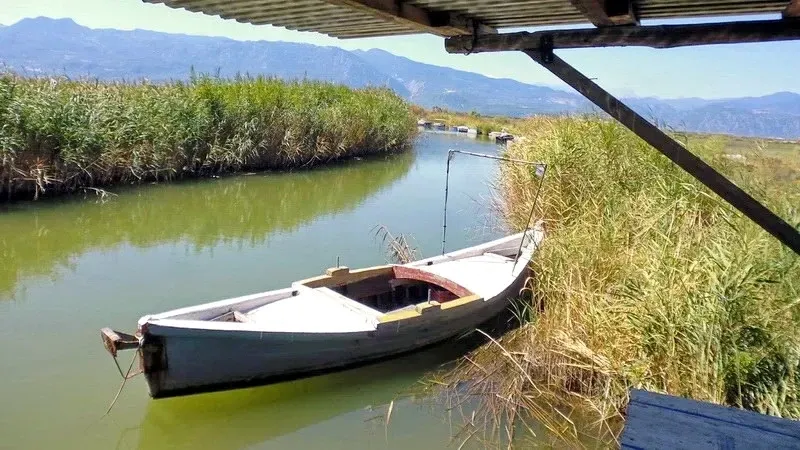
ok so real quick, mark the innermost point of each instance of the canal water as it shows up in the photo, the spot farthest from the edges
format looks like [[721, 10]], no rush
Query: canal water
[[72, 266]]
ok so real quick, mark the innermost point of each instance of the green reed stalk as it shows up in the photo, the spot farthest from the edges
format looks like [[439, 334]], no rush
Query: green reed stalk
[[61, 135]]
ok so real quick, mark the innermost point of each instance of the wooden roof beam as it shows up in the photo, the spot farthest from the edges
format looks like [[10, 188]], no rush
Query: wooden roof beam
[[607, 13], [793, 9], [437, 22], [656, 36]]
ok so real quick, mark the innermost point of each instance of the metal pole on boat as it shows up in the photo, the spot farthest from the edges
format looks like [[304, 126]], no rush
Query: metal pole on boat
[[530, 216], [451, 154], [446, 188]]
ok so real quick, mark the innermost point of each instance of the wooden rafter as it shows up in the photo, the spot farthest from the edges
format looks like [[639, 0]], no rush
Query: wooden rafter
[[439, 23], [656, 36], [607, 13], [793, 9]]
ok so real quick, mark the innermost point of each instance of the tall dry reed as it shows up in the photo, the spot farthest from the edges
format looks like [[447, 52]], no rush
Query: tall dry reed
[[645, 279]]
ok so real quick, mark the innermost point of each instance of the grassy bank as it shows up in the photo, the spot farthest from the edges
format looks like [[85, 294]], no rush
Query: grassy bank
[[646, 279], [61, 136]]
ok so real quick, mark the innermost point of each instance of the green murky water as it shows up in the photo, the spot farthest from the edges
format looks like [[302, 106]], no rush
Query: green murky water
[[70, 267]]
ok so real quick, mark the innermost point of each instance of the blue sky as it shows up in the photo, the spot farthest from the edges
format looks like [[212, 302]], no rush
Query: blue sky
[[710, 71]]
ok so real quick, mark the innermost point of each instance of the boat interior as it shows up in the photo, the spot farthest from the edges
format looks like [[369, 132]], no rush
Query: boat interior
[[344, 300], [388, 288]]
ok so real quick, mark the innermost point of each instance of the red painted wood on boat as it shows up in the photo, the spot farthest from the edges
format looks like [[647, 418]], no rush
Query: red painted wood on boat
[[412, 273]]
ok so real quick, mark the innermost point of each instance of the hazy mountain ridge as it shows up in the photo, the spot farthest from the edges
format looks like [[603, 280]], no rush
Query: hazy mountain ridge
[[466, 91], [45, 46]]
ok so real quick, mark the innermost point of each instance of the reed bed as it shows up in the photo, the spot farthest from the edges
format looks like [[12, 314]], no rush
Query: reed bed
[[645, 279], [59, 135]]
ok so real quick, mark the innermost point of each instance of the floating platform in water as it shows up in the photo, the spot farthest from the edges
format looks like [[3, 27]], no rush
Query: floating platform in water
[[658, 421]]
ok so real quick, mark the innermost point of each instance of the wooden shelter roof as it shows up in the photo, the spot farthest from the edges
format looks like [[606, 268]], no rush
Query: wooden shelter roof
[[371, 18]]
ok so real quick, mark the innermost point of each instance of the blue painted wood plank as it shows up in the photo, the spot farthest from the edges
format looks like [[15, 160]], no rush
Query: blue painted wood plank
[[658, 421]]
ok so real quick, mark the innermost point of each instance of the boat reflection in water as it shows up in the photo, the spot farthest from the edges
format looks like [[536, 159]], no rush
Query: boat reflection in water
[[340, 410]]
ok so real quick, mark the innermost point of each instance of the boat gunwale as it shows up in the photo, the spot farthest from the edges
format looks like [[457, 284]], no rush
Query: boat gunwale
[[165, 320]]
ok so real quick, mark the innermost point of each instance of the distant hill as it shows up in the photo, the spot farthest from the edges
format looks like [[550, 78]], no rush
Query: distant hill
[[466, 91], [45, 46], [60, 46]]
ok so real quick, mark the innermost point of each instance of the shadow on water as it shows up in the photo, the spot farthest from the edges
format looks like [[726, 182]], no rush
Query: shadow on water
[[264, 413], [48, 235]]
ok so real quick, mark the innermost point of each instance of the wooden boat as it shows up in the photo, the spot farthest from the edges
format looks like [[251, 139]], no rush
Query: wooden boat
[[330, 322]]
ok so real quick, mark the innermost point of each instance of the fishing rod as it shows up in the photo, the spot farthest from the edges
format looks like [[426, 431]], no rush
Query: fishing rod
[[541, 170]]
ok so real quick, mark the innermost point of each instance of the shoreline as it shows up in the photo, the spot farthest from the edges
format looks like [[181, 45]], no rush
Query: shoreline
[[114, 189]]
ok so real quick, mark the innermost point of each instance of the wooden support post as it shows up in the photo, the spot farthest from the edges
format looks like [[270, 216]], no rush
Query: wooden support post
[[607, 13], [792, 10], [670, 148]]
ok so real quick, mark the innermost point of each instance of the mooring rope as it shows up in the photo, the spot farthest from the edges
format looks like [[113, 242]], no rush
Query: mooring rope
[[125, 377]]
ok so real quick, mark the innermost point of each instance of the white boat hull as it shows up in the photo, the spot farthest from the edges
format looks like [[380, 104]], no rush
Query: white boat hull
[[204, 361], [192, 350]]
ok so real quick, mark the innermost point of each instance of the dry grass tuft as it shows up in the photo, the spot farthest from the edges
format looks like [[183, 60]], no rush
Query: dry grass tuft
[[398, 248]]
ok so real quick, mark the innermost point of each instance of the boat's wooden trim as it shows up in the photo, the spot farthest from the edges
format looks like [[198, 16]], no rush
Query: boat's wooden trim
[[394, 316], [461, 301], [117, 340], [426, 307], [429, 306], [342, 275]]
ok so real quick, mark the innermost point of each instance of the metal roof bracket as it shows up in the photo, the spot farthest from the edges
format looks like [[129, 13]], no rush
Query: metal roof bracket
[[546, 48], [475, 31]]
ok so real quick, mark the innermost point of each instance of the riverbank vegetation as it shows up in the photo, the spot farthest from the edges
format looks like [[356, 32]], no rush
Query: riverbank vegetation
[[60, 135], [646, 279]]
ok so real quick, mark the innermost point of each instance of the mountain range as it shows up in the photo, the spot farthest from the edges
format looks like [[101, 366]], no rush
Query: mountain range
[[43, 46]]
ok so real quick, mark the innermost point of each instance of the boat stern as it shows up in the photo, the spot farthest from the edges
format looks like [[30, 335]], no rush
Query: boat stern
[[150, 352], [116, 341]]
